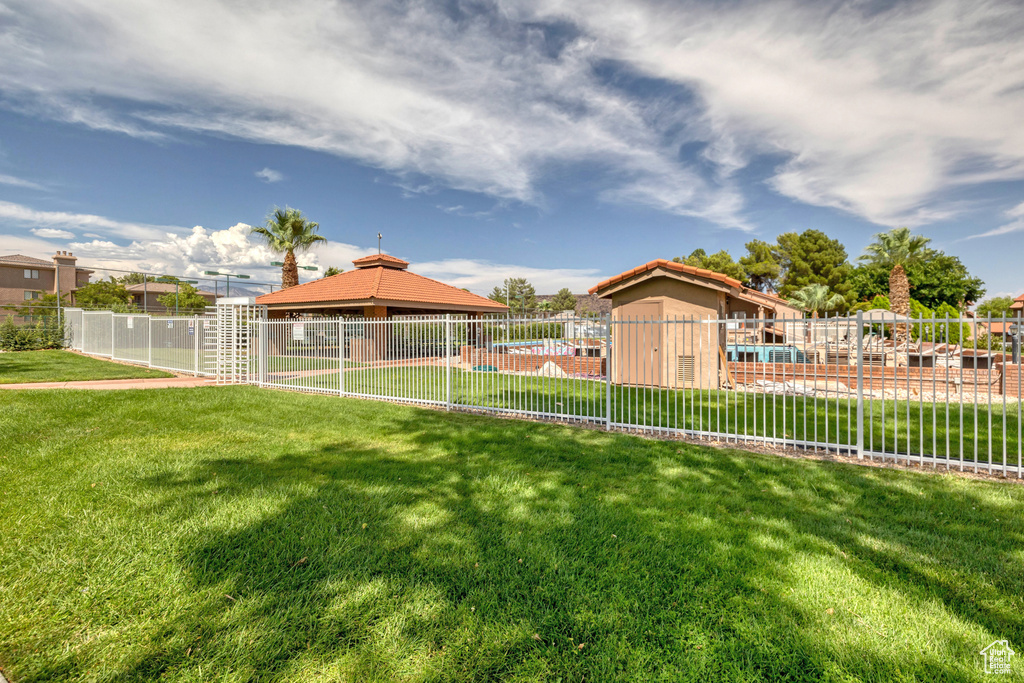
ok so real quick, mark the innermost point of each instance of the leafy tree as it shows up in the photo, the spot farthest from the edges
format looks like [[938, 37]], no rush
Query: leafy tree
[[188, 299], [879, 302], [285, 231], [935, 280], [998, 307], [136, 279], [944, 279], [521, 296], [761, 266], [895, 251], [811, 257], [816, 299], [564, 300], [950, 332], [333, 270], [47, 304], [108, 294], [719, 262], [545, 306]]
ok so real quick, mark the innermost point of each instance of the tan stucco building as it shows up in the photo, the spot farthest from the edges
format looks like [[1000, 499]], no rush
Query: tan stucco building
[[26, 278], [680, 351]]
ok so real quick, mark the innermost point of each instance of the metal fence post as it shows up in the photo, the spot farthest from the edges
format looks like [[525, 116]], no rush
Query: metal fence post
[[608, 373], [341, 357], [860, 385], [448, 361], [200, 333]]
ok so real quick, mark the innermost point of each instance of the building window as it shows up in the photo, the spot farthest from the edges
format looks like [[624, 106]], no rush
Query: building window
[[31, 274], [31, 296]]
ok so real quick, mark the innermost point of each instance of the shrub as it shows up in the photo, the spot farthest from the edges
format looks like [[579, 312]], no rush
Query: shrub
[[48, 333]]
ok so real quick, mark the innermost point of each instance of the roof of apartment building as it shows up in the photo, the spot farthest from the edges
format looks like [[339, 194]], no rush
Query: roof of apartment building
[[383, 278], [22, 260], [1018, 303]]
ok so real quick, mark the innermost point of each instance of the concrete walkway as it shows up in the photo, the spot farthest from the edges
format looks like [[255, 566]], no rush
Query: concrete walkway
[[154, 383]]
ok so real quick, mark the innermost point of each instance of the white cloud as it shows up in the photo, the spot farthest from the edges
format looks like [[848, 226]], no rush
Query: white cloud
[[1016, 225], [53, 233], [269, 175], [875, 111], [482, 276], [19, 215], [19, 182]]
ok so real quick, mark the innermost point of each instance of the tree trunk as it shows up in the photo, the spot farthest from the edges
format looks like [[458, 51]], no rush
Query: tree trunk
[[899, 302], [289, 271]]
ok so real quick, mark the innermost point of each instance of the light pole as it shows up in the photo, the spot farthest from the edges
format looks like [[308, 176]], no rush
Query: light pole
[[167, 279], [227, 277]]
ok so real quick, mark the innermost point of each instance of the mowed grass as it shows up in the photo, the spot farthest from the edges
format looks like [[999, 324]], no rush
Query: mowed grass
[[237, 534], [974, 434], [64, 366]]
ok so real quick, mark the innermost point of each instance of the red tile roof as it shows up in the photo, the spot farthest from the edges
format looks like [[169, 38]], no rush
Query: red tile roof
[[381, 283], [386, 260], [689, 270]]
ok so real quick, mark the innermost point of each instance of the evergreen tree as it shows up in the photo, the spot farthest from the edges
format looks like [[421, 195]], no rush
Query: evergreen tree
[[563, 300], [719, 262], [521, 296], [811, 257], [761, 266]]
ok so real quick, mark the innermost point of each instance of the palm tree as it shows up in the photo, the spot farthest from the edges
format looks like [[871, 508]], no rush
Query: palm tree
[[285, 231], [896, 251], [816, 298]]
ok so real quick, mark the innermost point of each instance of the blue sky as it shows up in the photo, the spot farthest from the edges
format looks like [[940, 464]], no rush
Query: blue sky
[[560, 141]]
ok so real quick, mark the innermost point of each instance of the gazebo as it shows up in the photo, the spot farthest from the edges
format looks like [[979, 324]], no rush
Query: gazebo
[[380, 286]]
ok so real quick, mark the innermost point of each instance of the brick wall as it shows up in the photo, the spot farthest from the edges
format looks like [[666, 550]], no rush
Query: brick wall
[[876, 378], [1013, 378], [514, 362]]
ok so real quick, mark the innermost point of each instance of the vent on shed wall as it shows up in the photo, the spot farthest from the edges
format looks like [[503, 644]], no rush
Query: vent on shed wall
[[684, 369]]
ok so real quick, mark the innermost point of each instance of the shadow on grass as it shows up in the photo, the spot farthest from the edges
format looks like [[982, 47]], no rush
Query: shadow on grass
[[629, 560]]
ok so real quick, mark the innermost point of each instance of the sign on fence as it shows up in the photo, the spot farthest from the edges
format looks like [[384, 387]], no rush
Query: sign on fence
[[299, 332], [131, 323], [191, 327]]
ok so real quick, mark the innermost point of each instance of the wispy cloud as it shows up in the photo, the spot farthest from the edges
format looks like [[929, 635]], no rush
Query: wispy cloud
[[53, 233], [875, 110], [12, 214], [1015, 225], [269, 175], [19, 182]]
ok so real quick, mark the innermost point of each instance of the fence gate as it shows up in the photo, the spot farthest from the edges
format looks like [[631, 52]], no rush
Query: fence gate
[[232, 336]]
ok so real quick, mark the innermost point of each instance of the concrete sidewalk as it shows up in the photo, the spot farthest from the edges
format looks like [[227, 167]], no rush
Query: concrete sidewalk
[[154, 383]]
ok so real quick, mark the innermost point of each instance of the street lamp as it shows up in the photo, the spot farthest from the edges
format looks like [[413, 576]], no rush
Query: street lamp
[[304, 267], [228, 277], [168, 278]]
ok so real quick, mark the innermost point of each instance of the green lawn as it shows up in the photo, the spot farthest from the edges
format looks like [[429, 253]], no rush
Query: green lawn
[[64, 366], [906, 427], [235, 534]]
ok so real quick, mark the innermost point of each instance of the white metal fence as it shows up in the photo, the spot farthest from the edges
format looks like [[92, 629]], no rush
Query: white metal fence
[[935, 392], [178, 344]]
